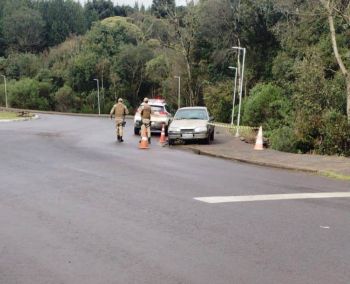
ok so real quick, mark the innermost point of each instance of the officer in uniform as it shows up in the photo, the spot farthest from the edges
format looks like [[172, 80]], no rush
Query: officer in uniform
[[119, 110], [146, 112]]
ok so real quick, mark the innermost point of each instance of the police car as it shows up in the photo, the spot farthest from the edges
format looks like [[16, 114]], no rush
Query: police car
[[160, 115]]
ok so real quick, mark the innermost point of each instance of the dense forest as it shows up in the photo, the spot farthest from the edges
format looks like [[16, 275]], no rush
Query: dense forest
[[297, 70]]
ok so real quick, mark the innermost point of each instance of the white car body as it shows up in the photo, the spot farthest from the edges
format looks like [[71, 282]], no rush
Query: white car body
[[159, 116], [191, 123]]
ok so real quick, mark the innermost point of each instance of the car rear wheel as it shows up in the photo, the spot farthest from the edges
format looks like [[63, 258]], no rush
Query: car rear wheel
[[171, 142]]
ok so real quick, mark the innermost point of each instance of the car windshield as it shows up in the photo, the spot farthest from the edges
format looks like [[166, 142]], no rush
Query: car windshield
[[191, 114]]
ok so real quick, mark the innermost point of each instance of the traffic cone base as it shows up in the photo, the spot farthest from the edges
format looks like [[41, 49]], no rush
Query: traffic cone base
[[259, 144], [144, 141]]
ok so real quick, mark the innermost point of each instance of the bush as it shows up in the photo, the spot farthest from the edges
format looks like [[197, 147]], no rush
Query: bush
[[284, 139], [335, 134], [26, 94], [218, 99], [265, 106], [65, 99]]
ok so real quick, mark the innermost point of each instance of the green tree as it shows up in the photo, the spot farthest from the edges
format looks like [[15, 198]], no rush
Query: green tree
[[26, 94], [158, 70], [23, 30], [65, 99], [162, 8], [266, 106], [131, 68], [62, 18], [218, 99], [19, 65]]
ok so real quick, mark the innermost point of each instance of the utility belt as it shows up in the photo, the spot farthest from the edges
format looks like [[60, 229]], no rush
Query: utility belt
[[123, 123], [147, 124]]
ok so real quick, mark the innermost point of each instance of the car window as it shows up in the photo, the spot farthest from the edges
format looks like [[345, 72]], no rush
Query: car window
[[157, 108], [191, 114]]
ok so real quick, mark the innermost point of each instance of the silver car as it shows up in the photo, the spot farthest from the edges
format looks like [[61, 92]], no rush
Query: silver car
[[191, 123]]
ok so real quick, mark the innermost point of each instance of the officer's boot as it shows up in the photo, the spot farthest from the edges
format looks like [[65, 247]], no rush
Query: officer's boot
[[149, 140], [118, 137], [121, 139]]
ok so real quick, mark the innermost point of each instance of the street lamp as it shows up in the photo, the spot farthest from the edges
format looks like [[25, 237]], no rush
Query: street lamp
[[179, 90], [234, 93], [98, 96], [5, 91], [241, 87]]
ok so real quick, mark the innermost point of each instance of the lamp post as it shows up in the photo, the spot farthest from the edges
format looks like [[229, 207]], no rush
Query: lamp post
[[5, 91], [98, 97], [234, 93], [241, 87], [179, 91]]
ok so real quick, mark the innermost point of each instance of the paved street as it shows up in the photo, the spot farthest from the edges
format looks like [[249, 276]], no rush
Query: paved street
[[77, 207]]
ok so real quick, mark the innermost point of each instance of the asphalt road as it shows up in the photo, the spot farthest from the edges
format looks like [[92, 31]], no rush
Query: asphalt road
[[77, 207]]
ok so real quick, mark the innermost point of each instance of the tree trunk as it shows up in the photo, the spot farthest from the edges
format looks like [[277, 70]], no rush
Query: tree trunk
[[348, 97], [340, 62]]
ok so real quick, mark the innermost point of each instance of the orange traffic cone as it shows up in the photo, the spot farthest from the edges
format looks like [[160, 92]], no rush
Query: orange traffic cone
[[162, 138], [144, 140], [259, 140]]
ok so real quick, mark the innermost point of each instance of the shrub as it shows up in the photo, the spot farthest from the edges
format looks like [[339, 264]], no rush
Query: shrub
[[284, 139], [218, 99], [26, 94], [265, 106], [65, 99], [335, 134]]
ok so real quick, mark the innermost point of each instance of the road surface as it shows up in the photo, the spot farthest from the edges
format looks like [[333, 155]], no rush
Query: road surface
[[77, 207]]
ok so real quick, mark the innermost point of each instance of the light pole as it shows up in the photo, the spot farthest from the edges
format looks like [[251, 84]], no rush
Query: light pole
[[179, 91], [241, 87], [234, 93], [98, 96], [5, 91]]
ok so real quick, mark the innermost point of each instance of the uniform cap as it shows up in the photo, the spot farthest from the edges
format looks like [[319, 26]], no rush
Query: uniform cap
[[120, 100], [145, 100]]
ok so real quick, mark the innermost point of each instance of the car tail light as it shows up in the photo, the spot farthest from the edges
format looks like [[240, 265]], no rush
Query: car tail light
[[163, 113]]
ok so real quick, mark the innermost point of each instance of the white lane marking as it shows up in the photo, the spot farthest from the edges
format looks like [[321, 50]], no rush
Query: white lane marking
[[247, 198], [324, 227]]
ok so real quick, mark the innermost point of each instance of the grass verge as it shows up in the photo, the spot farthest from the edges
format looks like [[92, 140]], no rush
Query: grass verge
[[8, 115], [335, 175]]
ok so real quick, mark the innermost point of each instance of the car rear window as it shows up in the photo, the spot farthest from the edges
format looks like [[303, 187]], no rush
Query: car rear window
[[191, 114], [157, 109]]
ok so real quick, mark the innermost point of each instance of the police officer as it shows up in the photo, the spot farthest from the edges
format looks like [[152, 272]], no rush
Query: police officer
[[146, 112], [119, 110]]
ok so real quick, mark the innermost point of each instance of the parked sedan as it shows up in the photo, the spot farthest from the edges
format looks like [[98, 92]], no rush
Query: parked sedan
[[191, 123]]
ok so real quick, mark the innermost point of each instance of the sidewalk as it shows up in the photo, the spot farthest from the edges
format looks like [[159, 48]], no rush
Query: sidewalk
[[227, 147]]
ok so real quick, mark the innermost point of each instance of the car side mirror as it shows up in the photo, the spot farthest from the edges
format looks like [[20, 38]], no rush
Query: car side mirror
[[211, 118]]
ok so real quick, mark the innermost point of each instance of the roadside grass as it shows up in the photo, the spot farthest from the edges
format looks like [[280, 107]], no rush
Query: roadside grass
[[14, 115], [8, 115], [335, 175]]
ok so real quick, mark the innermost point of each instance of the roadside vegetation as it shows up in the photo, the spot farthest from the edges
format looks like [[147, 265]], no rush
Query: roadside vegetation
[[296, 85], [7, 115]]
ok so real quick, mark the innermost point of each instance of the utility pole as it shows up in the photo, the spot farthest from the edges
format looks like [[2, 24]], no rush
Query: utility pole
[[234, 93], [98, 97], [241, 86]]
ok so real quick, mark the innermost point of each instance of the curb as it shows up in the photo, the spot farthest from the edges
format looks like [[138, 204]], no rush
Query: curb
[[332, 175], [247, 161]]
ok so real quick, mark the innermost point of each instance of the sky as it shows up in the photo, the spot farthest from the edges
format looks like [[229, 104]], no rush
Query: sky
[[131, 3]]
